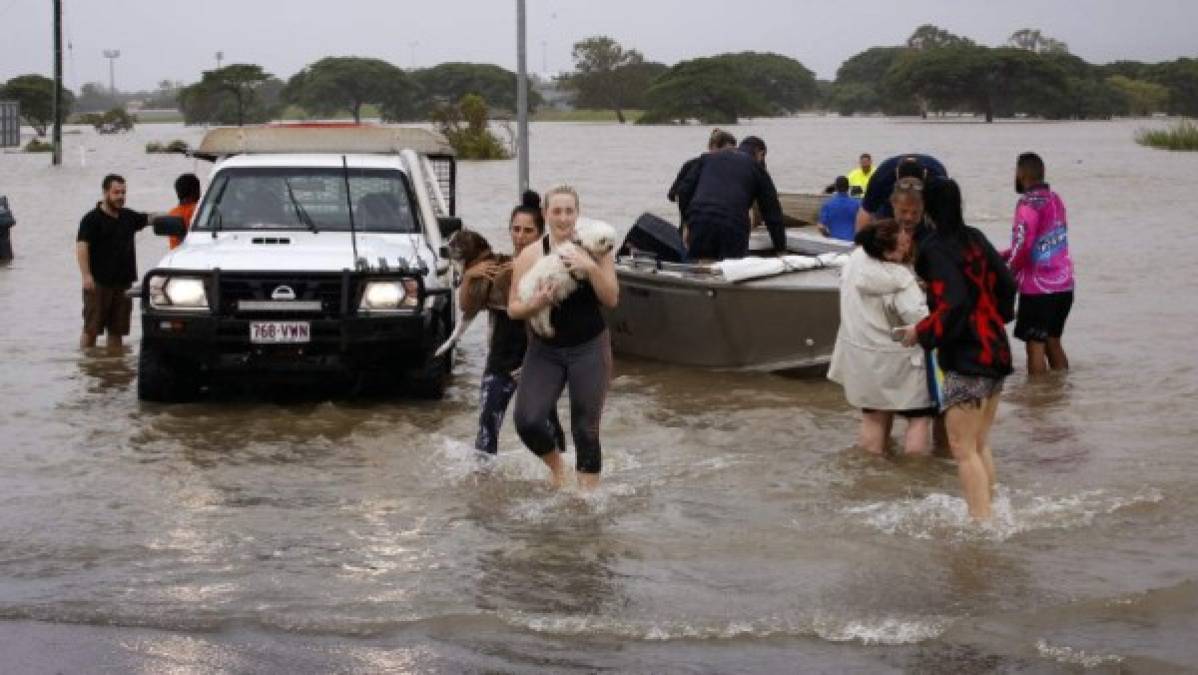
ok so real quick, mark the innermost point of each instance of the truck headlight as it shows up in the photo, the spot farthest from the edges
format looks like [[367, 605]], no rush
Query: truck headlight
[[389, 295], [178, 293]]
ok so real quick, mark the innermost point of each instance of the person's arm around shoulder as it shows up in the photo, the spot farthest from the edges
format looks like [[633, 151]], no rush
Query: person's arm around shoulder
[[517, 309], [909, 302]]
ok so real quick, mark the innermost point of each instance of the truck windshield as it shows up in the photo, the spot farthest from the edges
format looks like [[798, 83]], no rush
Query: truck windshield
[[307, 199]]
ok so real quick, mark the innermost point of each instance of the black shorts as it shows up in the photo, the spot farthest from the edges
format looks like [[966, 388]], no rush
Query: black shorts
[[911, 414], [1042, 316]]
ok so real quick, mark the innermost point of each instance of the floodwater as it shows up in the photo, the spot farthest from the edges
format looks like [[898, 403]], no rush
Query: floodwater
[[736, 530]]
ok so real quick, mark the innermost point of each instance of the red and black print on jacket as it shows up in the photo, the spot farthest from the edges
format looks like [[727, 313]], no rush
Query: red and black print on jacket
[[971, 298]]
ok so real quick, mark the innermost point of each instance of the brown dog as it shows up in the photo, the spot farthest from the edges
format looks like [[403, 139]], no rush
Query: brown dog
[[468, 249]]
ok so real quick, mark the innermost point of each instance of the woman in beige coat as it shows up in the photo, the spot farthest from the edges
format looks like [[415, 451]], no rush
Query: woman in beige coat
[[878, 293]]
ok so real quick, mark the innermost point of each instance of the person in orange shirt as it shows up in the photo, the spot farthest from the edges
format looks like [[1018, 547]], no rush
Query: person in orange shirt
[[187, 187]]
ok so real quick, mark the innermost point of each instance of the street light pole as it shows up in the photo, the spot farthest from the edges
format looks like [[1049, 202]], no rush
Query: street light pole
[[56, 138], [521, 96], [112, 55]]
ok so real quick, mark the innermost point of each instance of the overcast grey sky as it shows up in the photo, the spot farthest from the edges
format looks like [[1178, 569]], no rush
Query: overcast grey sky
[[171, 39]]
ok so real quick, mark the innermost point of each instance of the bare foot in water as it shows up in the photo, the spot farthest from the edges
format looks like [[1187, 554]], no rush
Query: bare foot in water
[[588, 482], [557, 467]]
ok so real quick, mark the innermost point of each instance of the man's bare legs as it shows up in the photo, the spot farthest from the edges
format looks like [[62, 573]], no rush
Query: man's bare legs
[[1057, 360], [1037, 361], [87, 340]]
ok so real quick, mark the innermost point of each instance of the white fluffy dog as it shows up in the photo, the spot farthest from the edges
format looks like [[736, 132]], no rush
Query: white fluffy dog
[[593, 236]]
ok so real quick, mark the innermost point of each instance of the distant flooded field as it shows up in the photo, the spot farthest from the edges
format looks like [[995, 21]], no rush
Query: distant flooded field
[[736, 530]]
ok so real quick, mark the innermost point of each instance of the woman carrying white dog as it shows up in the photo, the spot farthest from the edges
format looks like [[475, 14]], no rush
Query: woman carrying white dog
[[578, 355]]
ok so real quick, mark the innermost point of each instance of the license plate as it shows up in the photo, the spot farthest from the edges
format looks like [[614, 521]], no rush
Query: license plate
[[280, 332]]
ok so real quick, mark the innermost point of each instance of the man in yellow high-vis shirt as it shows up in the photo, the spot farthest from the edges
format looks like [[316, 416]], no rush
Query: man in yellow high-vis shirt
[[859, 177]]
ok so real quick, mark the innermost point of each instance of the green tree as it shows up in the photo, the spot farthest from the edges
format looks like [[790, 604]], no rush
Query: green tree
[[977, 79], [853, 97], [464, 125], [787, 85], [1033, 40], [706, 89], [35, 93], [858, 84], [1141, 97], [1181, 77], [929, 36], [606, 76], [449, 82], [235, 94], [347, 83]]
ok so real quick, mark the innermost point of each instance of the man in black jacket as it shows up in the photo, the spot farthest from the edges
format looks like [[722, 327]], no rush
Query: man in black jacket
[[719, 191], [719, 140]]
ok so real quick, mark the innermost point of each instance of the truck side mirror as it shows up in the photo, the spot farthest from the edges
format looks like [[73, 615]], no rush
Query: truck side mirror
[[169, 226], [448, 225]]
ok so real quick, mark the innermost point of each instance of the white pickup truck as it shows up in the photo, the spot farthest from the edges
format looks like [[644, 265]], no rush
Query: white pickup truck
[[315, 253]]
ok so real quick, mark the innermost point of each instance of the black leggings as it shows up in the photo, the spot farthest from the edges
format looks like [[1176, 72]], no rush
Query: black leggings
[[547, 370]]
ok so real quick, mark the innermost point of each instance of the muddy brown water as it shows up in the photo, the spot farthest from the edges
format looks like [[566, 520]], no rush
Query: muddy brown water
[[736, 530]]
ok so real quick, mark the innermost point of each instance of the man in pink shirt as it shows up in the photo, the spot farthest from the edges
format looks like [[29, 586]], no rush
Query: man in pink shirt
[[1039, 261]]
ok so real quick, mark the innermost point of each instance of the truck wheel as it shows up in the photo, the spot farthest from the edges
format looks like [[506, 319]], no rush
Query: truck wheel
[[164, 380], [431, 377]]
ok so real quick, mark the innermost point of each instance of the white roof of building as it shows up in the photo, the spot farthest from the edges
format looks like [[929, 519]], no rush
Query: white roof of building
[[320, 140]]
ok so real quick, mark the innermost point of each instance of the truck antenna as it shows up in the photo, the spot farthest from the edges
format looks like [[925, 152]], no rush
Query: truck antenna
[[349, 203]]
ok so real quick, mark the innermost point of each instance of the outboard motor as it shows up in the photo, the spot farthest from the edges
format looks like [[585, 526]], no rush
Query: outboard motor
[[656, 237], [7, 221]]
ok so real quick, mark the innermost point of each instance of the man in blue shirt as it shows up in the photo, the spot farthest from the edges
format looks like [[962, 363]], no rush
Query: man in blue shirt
[[838, 215]]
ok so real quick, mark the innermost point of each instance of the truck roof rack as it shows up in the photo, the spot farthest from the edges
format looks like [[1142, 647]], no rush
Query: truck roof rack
[[334, 138]]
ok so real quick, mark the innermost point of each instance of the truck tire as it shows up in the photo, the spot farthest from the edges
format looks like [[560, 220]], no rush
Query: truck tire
[[164, 380], [430, 379]]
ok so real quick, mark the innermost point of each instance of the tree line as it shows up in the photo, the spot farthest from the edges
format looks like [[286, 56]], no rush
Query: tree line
[[934, 72], [1032, 74]]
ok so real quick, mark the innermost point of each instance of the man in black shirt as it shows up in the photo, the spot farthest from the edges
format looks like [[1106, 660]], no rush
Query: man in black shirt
[[719, 140], [108, 263], [719, 191]]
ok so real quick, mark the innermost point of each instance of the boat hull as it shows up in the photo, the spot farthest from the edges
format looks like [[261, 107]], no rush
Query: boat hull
[[787, 322]]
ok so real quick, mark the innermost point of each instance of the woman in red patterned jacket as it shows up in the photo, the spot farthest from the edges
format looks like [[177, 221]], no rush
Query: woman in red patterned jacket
[[971, 298]]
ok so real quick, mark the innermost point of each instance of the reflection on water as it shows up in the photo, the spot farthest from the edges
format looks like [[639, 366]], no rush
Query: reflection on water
[[734, 530], [105, 371]]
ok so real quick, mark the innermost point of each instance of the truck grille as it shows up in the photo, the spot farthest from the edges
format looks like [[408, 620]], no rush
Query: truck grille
[[273, 294]]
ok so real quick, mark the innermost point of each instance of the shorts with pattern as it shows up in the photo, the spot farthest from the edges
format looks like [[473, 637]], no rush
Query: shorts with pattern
[[959, 389]]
